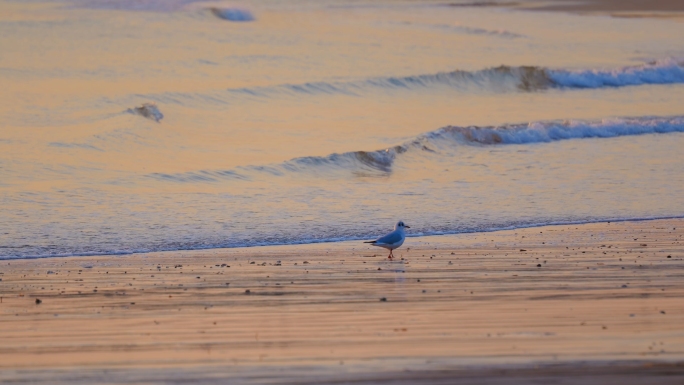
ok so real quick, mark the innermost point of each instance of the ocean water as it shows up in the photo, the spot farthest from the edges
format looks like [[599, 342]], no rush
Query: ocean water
[[146, 125]]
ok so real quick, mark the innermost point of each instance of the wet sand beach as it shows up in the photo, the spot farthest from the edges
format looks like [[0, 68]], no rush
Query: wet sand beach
[[592, 303], [661, 9], [617, 5]]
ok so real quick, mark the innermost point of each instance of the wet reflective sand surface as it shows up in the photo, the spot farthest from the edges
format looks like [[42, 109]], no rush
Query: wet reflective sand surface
[[590, 302]]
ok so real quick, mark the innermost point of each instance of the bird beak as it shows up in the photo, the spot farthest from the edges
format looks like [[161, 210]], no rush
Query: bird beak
[[408, 227]]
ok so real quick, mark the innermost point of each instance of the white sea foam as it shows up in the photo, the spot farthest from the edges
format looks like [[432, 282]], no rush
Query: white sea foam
[[549, 131], [666, 71]]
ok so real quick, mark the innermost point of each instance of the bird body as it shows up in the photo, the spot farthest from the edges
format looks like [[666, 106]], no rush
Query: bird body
[[392, 240]]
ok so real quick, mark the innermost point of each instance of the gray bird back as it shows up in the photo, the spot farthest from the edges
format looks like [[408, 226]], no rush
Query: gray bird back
[[390, 238]]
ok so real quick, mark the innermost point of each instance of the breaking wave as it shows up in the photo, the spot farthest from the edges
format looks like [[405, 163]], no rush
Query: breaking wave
[[526, 78], [667, 71], [496, 79], [549, 131], [360, 163], [503, 77], [381, 162]]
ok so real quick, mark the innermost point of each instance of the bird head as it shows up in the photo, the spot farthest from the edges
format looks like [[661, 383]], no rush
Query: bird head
[[401, 225]]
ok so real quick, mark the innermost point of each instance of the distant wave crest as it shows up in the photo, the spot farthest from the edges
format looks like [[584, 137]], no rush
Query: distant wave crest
[[496, 79], [526, 78], [522, 77]]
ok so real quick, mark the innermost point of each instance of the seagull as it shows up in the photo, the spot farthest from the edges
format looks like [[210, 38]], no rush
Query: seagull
[[392, 240]]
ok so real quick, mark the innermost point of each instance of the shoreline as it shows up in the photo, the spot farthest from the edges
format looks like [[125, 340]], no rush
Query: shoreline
[[587, 6], [461, 305], [659, 9], [326, 241]]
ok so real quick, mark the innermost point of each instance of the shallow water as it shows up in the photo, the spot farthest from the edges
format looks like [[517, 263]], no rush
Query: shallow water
[[320, 121]]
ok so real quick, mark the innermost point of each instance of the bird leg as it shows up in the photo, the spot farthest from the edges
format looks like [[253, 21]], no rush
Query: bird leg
[[391, 255]]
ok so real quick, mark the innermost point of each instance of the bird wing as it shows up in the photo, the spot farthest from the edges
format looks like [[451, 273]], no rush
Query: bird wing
[[390, 238]]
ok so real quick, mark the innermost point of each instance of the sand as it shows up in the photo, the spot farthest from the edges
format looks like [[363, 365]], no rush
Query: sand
[[579, 303], [662, 9], [614, 5]]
